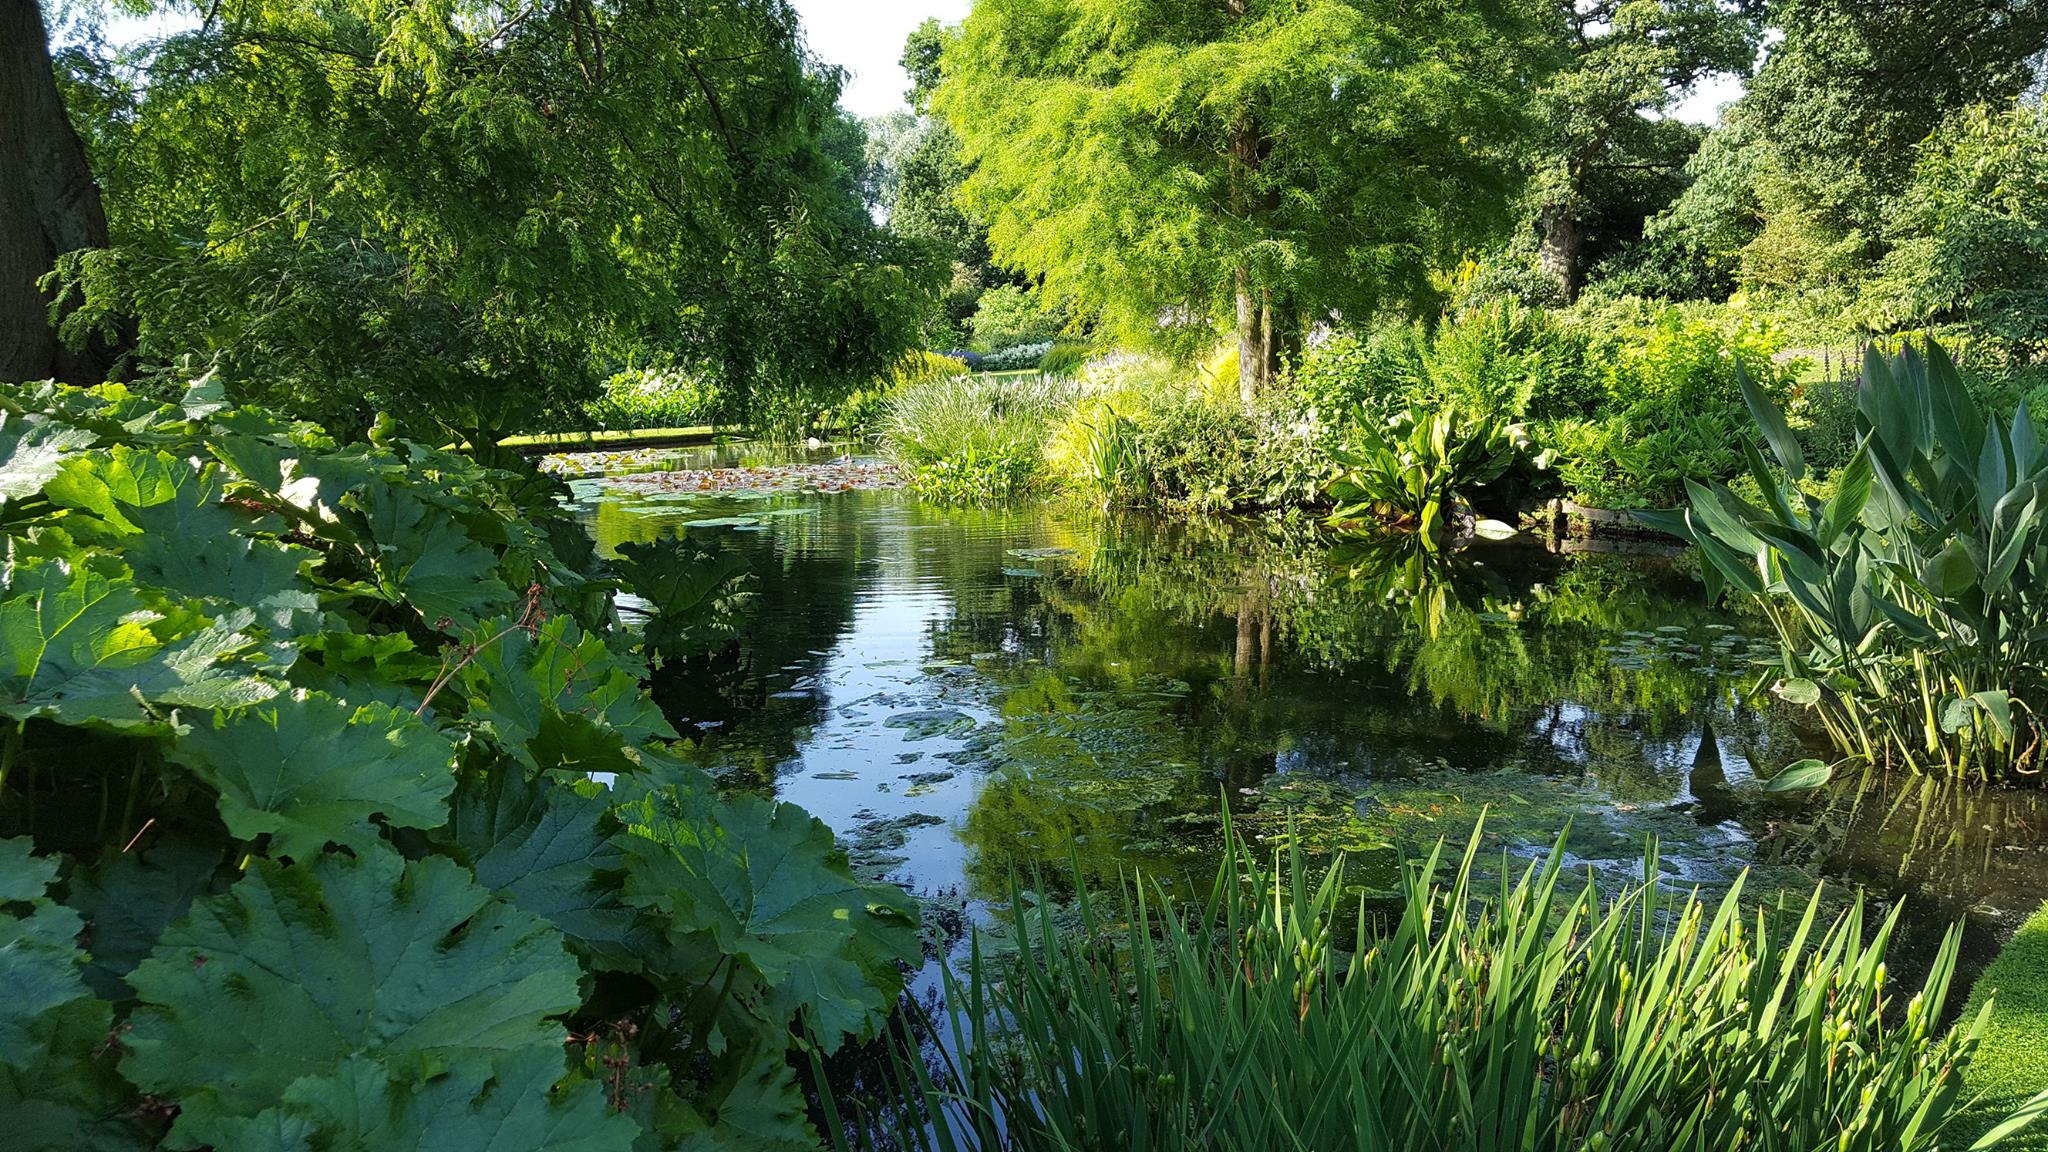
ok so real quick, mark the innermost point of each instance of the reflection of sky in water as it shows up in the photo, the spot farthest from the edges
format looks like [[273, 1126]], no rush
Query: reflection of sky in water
[[952, 708]]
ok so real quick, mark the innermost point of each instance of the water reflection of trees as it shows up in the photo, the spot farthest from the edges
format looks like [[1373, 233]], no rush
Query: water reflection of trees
[[1231, 655]]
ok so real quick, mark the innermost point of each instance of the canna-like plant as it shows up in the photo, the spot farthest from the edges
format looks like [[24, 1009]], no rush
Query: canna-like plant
[[1532, 1017], [1410, 472], [1912, 605]]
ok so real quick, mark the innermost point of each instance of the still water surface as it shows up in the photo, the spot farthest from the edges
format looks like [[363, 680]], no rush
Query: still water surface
[[972, 696]]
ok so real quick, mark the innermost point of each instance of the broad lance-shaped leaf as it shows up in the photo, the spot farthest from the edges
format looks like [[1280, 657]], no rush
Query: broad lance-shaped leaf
[[519, 1107], [58, 1087], [33, 450], [297, 969], [763, 883], [79, 647], [308, 768]]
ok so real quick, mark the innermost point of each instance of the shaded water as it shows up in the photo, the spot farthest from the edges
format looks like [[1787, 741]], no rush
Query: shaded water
[[965, 696]]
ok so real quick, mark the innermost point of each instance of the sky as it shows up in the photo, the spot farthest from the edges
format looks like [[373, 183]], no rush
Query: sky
[[865, 37]]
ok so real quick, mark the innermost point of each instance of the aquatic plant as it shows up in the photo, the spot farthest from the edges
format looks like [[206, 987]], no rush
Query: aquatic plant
[[302, 842], [1912, 604], [1282, 1012], [1411, 471]]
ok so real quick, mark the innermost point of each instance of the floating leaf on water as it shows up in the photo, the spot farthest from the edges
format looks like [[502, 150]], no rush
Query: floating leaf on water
[[1038, 553], [933, 722], [1023, 573], [722, 522], [1493, 530], [1800, 776], [839, 775], [1801, 692]]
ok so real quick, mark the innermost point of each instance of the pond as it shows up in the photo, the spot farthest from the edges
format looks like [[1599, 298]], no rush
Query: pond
[[973, 699]]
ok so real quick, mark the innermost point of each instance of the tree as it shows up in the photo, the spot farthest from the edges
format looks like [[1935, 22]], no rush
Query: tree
[[1263, 163], [1969, 242], [1605, 113], [49, 204], [464, 214], [1810, 160]]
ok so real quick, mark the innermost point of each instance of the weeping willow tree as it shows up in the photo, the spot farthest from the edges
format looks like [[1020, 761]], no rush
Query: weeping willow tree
[[464, 212]]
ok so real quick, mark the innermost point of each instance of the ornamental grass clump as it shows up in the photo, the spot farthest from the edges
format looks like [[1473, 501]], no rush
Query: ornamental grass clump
[[1285, 1013]]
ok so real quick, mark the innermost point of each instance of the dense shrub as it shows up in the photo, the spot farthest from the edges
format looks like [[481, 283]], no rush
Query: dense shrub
[[1008, 316], [648, 398], [977, 475], [862, 412], [1016, 357], [1374, 371], [1500, 358], [303, 842]]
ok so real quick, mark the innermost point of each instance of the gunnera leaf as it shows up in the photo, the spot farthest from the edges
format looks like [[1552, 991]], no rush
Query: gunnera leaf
[[297, 970], [140, 490], [520, 1106], [426, 558], [548, 847], [765, 884], [309, 769], [695, 591], [127, 899], [33, 450], [515, 683], [58, 1086], [78, 647]]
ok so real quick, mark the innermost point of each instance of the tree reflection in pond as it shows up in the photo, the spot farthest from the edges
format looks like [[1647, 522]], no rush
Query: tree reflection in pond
[[1104, 679]]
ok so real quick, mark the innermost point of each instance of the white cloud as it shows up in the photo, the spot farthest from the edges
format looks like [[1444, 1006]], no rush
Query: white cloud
[[865, 37]]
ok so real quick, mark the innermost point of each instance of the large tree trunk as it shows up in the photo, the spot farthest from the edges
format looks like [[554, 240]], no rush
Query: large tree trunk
[[49, 204], [1563, 254]]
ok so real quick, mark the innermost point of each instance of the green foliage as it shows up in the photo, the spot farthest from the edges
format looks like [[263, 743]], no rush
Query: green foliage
[[1524, 1017], [697, 594], [2011, 1064], [456, 214], [976, 475], [1970, 236], [1375, 372], [946, 416], [1065, 358], [300, 844], [1413, 472], [1008, 316], [1501, 358], [1668, 405], [1163, 162], [645, 398], [1910, 602]]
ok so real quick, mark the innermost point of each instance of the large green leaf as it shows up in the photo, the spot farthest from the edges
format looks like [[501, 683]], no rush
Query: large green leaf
[[128, 898], [58, 1088], [768, 887], [548, 847], [514, 683], [78, 647], [308, 769], [427, 560], [33, 449], [296, 970], [693, 590], [516, 1108], [137, 490]]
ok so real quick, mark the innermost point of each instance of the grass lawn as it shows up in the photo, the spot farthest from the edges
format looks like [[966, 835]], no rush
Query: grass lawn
[[2011, 1064]]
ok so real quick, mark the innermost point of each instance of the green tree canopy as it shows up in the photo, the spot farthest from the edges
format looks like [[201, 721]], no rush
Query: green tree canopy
[[1610, 147], [1803, 175], [1167, 164], [464, 211]]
